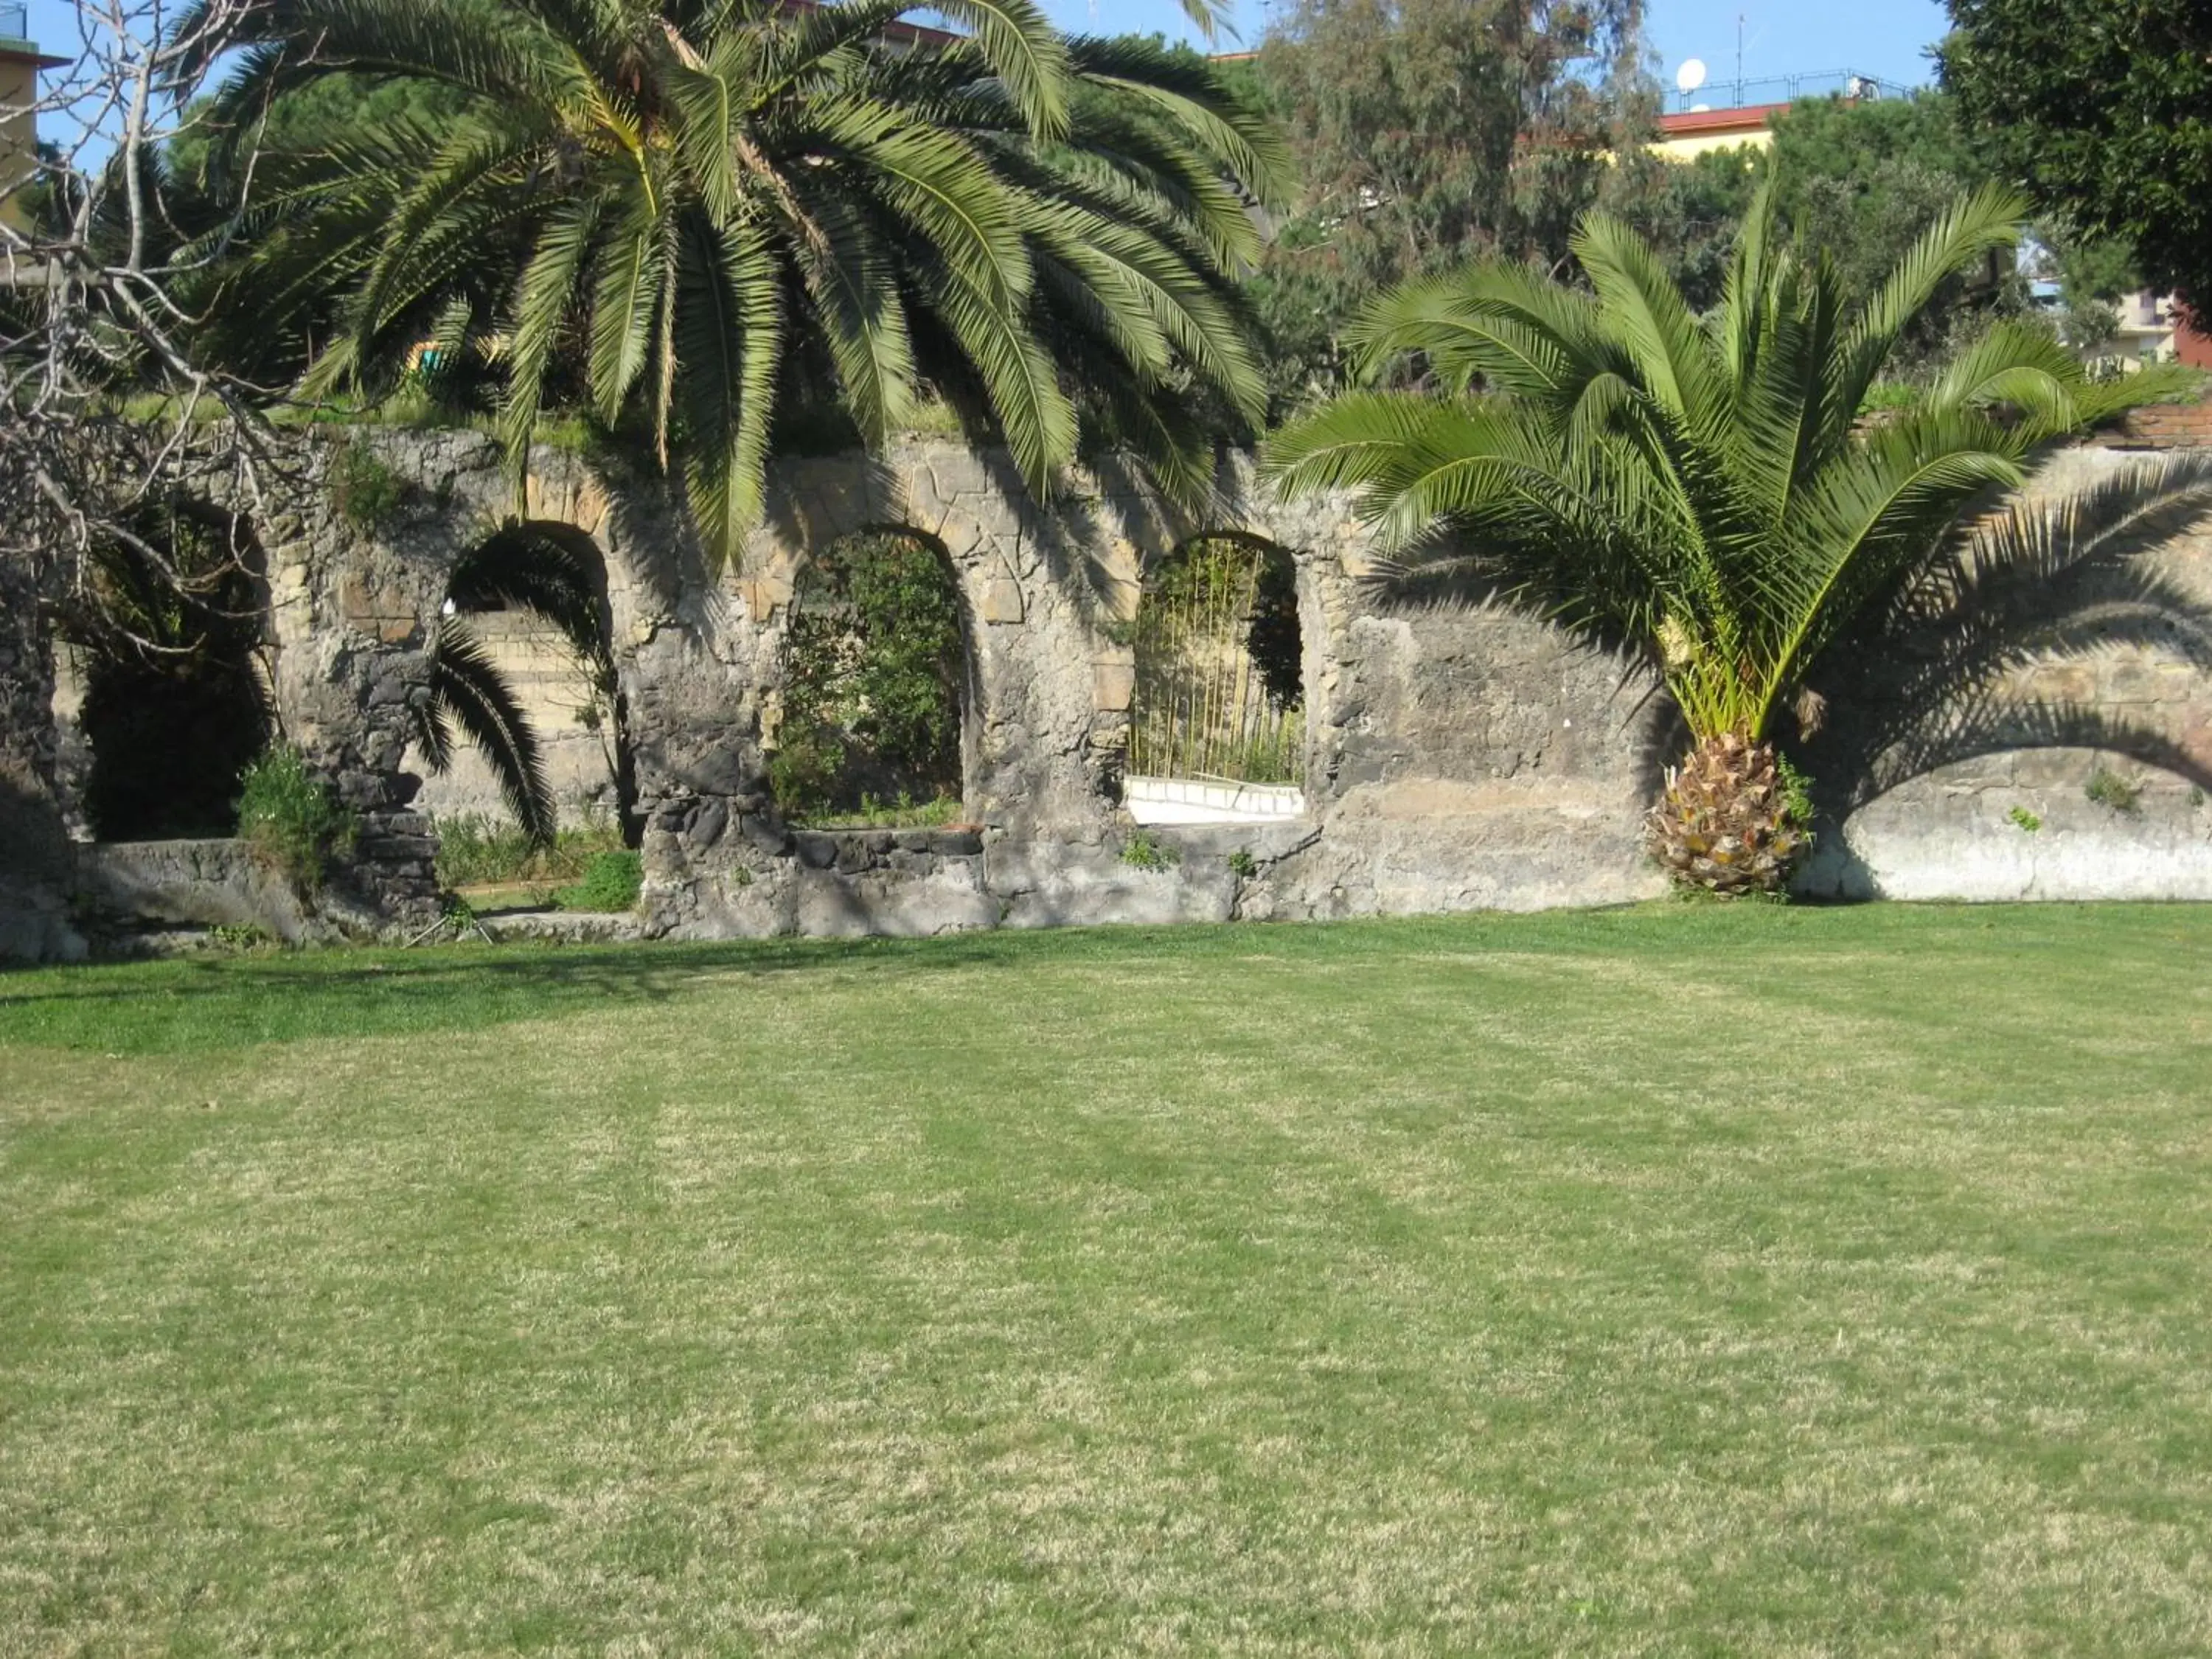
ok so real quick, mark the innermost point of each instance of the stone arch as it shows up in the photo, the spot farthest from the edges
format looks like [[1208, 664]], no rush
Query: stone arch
[[880, 609], [515, 586], [1218, 705], [163, 698]]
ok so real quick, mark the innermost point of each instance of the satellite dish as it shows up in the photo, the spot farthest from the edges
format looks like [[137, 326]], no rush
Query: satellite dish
[[1691, 76]]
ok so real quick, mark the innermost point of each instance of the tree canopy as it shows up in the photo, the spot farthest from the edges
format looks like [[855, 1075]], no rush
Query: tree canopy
[[2102, 110], [1427, 132], [695, 216]]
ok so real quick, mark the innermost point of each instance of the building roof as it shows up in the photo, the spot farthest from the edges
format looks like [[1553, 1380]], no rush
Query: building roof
[[1700, 123]]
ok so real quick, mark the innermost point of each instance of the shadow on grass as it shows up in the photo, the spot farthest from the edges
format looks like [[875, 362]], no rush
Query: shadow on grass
[[228, 1002], [210, 1003]]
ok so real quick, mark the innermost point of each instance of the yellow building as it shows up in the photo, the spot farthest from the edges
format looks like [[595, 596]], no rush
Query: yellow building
[[20, 65], [1688, 134]]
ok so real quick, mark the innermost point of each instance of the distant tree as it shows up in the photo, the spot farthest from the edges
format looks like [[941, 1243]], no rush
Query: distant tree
[[1858, 181], [1427, 132], [1689, 213], [310, 119], [2102, 110]]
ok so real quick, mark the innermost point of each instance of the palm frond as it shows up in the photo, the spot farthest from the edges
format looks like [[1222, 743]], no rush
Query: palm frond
[[467, 691]]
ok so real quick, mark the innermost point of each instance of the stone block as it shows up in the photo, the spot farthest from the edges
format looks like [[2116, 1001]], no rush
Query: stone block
[[957, 843], [818, 849], [1002, 600], [713, 818], [1113, 686], [765, 833], [397, 849]]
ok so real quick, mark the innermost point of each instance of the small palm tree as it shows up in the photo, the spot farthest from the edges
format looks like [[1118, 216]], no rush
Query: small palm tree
[[1703, 494], [701, 214]]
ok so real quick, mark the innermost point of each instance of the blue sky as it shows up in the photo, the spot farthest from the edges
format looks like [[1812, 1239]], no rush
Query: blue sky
[[1886, 39], [1883, 38]]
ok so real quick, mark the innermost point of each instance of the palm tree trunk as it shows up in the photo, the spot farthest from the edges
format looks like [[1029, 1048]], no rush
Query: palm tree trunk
[[1726, 823]]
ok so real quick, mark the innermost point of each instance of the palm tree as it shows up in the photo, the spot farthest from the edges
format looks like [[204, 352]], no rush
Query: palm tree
[[699, 215], [1704, 493]]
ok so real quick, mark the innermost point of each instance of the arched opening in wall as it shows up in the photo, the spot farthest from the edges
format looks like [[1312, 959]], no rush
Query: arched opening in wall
[[174, 701], [875, 700], [1216, 730], [527, 711]]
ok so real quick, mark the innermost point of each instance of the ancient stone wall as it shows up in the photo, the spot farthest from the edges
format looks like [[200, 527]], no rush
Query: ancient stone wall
[[2125, 817], [1459, 752], [35, 857]]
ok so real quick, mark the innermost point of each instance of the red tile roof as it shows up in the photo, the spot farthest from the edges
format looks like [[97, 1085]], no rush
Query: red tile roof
[[1749, 117]]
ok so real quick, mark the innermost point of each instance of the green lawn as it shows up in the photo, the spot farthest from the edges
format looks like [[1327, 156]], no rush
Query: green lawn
[[1683, 1279]]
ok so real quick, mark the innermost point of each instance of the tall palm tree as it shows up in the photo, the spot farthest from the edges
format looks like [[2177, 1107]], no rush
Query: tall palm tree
[[698, 214], [1703, 494]]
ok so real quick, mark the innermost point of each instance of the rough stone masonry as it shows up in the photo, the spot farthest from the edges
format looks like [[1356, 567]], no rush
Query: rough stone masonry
[[1460, 753]]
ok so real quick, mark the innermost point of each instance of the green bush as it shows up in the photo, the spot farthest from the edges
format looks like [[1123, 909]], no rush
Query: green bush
[[475, 850], [809, 761], [611, 883], [873, 662], [289, 815]]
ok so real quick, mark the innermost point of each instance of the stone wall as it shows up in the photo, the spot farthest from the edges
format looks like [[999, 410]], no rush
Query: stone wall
[[2125, 817], [554, 693], [1460, 753], [35, 857]]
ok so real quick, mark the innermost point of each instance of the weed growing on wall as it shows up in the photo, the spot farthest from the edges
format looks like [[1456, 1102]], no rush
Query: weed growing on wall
[[2109, 790], [365, 491], [291, 819], [2028, 820], [1142, 852]]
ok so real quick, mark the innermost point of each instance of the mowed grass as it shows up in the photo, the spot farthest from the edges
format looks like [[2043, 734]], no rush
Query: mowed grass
[[1673, 1280]]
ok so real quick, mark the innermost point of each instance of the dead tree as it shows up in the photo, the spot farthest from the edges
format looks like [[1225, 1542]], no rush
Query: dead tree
[[105, 409]]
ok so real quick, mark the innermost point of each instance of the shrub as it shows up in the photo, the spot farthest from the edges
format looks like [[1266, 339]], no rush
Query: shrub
[[611, 883], [475, 850], [873, 661], [291, 819]]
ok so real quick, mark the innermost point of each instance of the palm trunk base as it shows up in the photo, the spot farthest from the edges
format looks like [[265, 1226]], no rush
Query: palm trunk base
[[1727, 823]]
